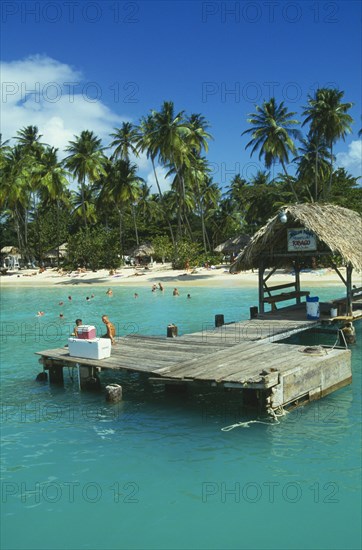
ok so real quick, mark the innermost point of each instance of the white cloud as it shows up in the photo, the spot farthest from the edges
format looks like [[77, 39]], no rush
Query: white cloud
[[352, 159], [53, 96]]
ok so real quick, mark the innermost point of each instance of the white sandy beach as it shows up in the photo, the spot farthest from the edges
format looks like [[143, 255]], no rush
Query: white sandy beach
[[219, 277]]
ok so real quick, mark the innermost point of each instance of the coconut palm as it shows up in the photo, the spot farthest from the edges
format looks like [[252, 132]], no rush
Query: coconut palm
[[123, 189], [313, 163], [197, 138], [53, 183], [84, 204], [86, 162], [125, 140], [272, 134], [147, 142], [28, 139], [328, 119], [15, 192]]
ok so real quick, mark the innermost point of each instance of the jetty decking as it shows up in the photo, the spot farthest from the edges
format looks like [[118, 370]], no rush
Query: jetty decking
[[242, 355]]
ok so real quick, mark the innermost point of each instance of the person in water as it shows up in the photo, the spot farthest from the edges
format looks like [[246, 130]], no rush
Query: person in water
[[175, 292], [111, 330]]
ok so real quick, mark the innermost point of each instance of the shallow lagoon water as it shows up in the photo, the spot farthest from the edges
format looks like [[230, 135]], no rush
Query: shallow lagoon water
[[156, 471]]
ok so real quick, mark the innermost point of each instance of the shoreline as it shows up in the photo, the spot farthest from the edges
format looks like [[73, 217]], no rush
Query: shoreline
[[218, 277]]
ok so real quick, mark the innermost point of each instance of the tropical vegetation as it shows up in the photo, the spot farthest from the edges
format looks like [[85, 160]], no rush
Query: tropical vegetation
[[95, 199]]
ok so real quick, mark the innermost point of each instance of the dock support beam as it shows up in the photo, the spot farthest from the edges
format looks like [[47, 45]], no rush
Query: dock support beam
[[55, 369], [219, 320]]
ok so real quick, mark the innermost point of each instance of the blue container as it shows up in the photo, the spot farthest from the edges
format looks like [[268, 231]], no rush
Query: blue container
[[312, 307]]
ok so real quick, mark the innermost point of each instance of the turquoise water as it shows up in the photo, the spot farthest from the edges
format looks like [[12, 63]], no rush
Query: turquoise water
[[156, 471]]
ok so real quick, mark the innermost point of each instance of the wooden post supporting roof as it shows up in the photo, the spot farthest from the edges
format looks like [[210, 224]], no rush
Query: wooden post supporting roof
[[349, 299], [261, 286]]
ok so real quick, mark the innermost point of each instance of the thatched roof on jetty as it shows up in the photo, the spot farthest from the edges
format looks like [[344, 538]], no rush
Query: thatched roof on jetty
[[338, 231]]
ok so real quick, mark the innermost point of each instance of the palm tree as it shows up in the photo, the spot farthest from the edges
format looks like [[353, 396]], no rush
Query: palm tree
[[197, 138], [147, 141], [28, 139], [123, 189], [15, 192], [125, 140], [53, 183], [328, 119], [272, 133], [313, 163], [84, 204], [86, 161]]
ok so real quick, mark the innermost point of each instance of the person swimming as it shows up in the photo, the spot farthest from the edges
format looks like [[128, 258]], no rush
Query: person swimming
[[175, 292], [109, 292]]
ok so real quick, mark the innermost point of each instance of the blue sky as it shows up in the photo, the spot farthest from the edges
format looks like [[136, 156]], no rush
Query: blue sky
[[91, 65]]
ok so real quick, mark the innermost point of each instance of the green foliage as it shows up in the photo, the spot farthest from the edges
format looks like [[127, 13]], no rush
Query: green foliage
[[185, 251], [211, 258], [163, 247], [95, 249]]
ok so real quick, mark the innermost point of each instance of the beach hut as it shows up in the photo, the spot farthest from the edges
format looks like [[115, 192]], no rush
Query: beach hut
[[294, 236], [51, 256], [143, 253], [233, 246], [10, 257]]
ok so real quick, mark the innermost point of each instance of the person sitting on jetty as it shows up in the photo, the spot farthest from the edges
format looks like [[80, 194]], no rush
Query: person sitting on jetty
[[111, 329], [78, 322]]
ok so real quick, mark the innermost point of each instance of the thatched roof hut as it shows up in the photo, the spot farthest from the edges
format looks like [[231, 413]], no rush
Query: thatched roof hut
[[299, 232], [10, 250], [233, 245], [142, 250], [338, 231]]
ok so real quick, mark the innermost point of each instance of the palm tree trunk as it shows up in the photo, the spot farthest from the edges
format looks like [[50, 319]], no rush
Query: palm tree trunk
[[82, 186], [203, 230], [331, 174], [120, 229], [58, 253], [290, 183], [316, 173], [135, 223], [161, 196]]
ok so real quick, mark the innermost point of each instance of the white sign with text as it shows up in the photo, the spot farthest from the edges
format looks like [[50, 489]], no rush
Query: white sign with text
[[301, 240]]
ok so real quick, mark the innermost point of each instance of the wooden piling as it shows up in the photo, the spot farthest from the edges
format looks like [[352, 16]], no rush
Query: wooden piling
[[219, 320], [254, 312]]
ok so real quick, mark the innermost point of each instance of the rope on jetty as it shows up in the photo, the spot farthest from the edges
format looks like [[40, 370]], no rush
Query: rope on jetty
[[246, 424]]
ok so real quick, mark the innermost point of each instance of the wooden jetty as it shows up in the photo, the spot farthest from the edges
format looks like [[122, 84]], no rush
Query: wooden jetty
[[244, 356], [248, 356]]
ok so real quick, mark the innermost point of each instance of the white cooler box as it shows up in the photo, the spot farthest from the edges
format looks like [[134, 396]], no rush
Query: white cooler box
[[97, 348]]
